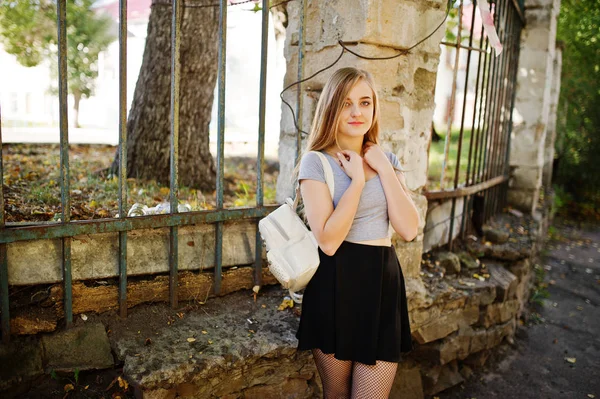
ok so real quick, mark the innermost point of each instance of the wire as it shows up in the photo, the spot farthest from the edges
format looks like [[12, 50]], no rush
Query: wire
[[344, 49]]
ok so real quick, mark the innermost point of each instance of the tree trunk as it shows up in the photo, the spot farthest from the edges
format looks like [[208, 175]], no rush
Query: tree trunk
[[149, 122], [76, 101]]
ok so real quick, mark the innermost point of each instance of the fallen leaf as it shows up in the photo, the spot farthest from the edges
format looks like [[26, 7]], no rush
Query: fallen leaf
[[69, 387], [191, 339], [123, 383], [591, 395], [570, 359], [204, 332], [286, 303], [210, 342]]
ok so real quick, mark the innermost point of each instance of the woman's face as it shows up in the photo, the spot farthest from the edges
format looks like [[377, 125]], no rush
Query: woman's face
[[357, 112]]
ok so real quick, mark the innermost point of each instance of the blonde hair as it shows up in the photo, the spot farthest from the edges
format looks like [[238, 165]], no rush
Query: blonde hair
[[323, 133]]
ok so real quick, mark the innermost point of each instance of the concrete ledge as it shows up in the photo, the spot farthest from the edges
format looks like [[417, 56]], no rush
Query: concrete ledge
[[96, 256]]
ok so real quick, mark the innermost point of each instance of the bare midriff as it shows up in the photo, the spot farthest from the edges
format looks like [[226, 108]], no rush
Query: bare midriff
[[385, 241]]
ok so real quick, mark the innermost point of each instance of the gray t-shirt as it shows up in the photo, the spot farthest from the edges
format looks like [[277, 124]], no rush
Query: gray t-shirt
[[371, 221]]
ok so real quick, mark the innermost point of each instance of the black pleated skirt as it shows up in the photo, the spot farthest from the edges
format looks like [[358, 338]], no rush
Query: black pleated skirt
[[355, 306]]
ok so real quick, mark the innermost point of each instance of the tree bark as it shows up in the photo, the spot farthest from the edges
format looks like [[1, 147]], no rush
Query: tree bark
[[149, 122]]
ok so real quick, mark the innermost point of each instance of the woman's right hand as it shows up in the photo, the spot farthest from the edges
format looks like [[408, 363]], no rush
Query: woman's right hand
[[352, 165]]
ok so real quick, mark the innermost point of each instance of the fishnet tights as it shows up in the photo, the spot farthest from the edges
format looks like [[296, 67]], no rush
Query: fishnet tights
[[344, 379]]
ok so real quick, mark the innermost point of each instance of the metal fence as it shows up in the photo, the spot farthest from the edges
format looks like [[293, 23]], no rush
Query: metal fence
[[484, 183], [66, 229], [487, 167]]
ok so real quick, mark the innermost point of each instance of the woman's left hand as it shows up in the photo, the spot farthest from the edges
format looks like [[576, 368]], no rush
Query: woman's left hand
[[376, 158]]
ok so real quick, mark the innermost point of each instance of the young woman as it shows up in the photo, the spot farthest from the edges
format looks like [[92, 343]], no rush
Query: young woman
[[354, 311]]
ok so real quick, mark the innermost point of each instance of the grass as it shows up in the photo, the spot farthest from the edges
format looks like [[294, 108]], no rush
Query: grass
[[436, 159], [32, 184]]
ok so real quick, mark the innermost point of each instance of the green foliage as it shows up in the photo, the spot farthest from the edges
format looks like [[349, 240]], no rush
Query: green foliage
[[28, 31], [578, 144]]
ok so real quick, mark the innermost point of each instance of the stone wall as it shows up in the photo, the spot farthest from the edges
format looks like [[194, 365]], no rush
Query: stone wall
[[551, 130], [533, 103], [405, 84], [242, 347]]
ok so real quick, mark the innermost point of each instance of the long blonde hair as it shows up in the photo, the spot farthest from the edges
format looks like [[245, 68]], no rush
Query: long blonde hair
[[323, 132]]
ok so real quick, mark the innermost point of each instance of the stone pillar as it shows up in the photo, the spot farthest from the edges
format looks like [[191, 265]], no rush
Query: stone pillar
[[551, 130], [379, 28], [531, 113]]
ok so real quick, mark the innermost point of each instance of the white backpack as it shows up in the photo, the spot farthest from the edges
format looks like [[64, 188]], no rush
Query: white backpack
[[292, 250]]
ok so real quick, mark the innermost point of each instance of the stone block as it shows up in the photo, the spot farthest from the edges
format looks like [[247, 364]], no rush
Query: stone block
[[435, 329], [449, 376], [20, 361], [407, 384], [438, 222], [449, 261], [500, 312], [496, 236], [456, 346], [520, 269], [83, 347], [445, 324], [409, 256], [481, 293], [95, 256], [504, 280], [158, 393], [478, 340], [478, 359], [290, 388], [468, 261]]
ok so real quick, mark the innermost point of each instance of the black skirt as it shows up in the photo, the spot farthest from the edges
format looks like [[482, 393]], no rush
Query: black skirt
[[355, 306]]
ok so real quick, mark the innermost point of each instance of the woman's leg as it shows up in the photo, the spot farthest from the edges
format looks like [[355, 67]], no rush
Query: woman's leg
[[373, 382], [335, 375]]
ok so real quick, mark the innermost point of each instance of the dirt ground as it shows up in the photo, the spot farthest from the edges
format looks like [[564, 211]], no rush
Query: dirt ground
[[557, 353]]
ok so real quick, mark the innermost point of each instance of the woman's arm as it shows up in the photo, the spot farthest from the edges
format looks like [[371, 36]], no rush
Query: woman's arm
[[402, 211], [330, 226]]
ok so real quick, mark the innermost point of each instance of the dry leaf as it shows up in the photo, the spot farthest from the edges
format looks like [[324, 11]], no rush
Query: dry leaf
[[204, 332], [570, 359], [191, 339], [69, 387], [123, 383], [286, 303]]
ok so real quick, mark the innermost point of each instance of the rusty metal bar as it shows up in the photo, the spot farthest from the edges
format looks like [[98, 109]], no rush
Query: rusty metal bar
[[466, 203], [455, 45], [174, 158], [480, 117], [58, 230], [122, 155], [220, 142], [485, 125], [299, 102], [64, 156], [451, 111], [519, 10], [260, 163], [4, 297], [461, 132], [493, 116], [464, 191]]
